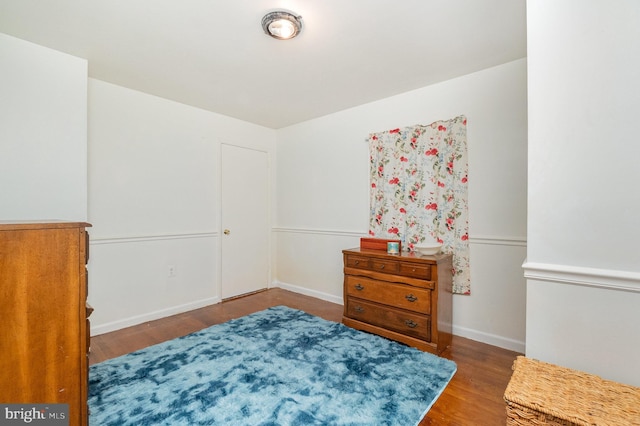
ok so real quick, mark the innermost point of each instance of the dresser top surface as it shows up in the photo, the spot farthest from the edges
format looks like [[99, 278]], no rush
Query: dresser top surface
[[403, 255], [14, 225]]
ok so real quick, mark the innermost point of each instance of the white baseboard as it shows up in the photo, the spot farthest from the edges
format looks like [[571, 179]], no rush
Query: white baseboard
[[489, 339], [480, 336], [151, 316], [308, 292]]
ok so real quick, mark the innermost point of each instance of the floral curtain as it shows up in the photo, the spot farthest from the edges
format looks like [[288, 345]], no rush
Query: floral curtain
[[419, 190]]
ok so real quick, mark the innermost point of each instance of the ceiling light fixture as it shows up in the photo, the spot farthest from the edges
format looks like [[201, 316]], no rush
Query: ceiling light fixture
[[282, 25]]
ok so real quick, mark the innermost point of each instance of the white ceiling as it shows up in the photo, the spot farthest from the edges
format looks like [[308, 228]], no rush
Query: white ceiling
[[213, 54]]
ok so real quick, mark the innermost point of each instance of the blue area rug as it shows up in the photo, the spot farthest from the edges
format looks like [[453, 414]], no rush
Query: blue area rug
[[279, 366]]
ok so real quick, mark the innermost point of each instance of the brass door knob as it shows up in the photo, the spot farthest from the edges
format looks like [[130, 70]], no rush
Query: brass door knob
[[227, 232]]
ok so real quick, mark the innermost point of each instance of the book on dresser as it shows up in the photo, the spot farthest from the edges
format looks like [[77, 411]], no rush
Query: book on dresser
[[405, 297], [44, 337]]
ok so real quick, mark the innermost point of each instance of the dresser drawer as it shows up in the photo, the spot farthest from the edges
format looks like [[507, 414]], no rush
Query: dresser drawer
[[415, 270], [386, 266], [360, 262], [398, 295], [392, 319]]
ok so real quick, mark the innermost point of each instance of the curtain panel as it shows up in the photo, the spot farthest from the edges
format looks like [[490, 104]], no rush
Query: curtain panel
[[419, 194]]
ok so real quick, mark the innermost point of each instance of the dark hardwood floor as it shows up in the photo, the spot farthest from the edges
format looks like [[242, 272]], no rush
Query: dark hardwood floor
[[473, 397]]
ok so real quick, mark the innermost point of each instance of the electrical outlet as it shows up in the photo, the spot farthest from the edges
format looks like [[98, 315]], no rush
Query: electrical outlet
[[171, 271]]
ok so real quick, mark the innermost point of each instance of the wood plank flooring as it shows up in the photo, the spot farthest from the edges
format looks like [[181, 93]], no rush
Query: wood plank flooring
[[473, 397]]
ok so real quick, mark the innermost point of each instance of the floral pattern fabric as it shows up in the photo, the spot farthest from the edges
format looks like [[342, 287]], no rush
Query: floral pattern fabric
[[419, 179]]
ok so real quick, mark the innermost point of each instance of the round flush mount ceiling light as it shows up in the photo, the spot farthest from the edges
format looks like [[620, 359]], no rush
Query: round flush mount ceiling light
[[282, 25]]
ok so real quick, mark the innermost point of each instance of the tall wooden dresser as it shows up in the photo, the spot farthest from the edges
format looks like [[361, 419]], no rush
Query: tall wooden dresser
[[44, 331], [405, 297]]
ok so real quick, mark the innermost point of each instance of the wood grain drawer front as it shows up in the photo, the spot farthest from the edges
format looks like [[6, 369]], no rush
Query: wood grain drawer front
[[415, 325], [415, 270], [386, 266], [357, 262], [401, 296]]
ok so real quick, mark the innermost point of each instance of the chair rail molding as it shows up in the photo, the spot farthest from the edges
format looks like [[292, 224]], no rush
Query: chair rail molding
[[140, 238], [577, 275], [498, 240], [320, 232], [480, 239]]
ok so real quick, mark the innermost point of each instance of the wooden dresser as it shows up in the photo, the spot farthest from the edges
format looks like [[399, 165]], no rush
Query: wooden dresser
[[405, 297], [44, 331]]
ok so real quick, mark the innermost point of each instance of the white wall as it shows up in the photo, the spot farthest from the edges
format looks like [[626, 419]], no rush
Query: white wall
[[154, 203], [583, 263], [323, 190], [43, 133], [153, 182]]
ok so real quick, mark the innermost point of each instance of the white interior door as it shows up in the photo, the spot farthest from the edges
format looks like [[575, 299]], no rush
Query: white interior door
[[245, 220]]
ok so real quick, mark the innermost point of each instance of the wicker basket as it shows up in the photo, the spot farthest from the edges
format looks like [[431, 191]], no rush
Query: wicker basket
[[546, 394]]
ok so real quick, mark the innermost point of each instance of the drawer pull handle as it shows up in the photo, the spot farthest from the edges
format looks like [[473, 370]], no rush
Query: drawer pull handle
[[357, 262], [381, 266], [359, 287], [411, 298], [410, 323], [359, 309]]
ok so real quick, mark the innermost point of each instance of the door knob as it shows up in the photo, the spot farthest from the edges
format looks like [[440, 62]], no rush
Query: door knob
[[227, 232]]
